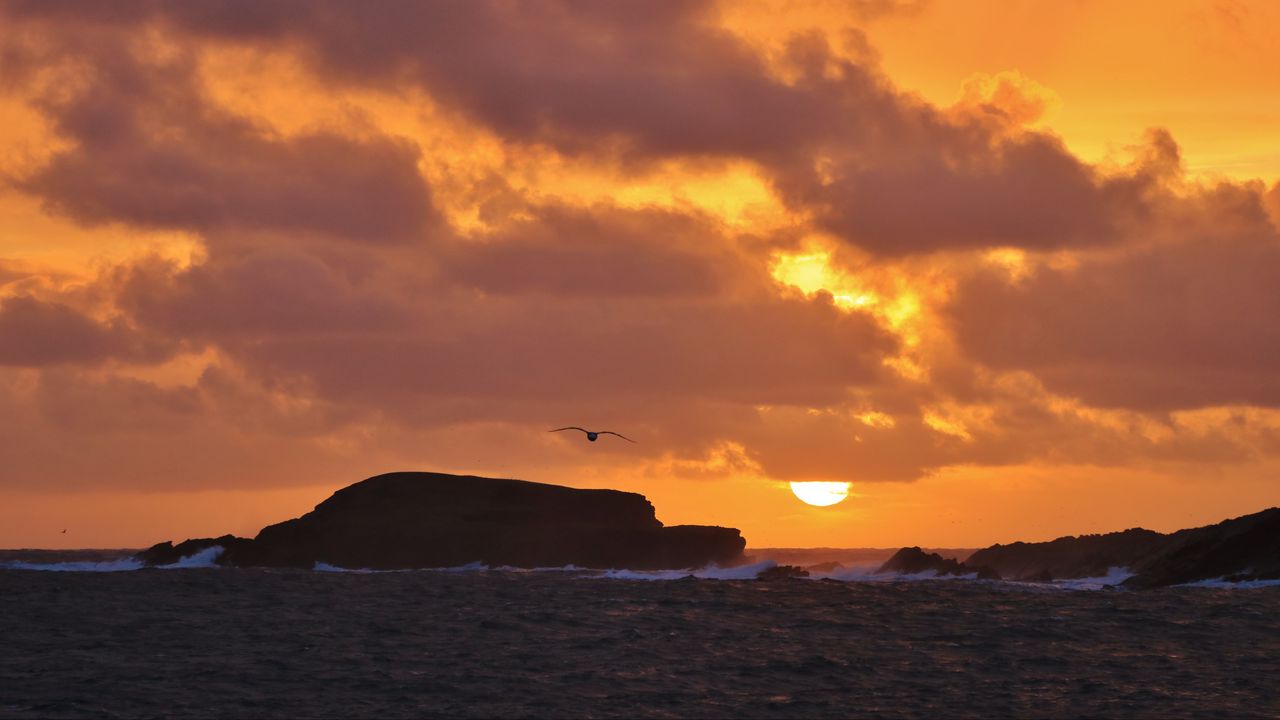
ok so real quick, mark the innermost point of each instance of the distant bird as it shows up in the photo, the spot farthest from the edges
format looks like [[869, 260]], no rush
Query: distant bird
[[64, 532], [593, 435]]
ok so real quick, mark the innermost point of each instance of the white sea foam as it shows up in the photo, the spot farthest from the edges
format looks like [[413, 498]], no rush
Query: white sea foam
[[710, 572], [869, 575], [1114, 576], [326, 567], [1241, 585], [206, 558], [203, 559], [469, 568], [476, 566], [120, 565]]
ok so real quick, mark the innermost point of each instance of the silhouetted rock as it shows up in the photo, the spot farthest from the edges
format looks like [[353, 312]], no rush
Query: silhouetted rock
[[987, 573], [913, 560], [1244, 548], [782, 572], [423, 520], [1068, 557], [166, 553]]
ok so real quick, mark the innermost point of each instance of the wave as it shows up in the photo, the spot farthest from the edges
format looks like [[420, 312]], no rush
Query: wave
[[203, 559], [1114, 576], [1232, 585], [206, 558], [121, 565], [710, 572]]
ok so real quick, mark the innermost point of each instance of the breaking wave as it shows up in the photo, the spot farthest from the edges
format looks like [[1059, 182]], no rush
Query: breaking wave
[[711, 572], [99, 562], [1237, 585], [206, 558], [120, 565]]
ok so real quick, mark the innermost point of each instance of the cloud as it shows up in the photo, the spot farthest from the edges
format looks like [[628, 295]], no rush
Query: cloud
[[1181, 323], [331, 322], [148, 149], [272, 292], [35, 333], [649, 81], [599, 252]]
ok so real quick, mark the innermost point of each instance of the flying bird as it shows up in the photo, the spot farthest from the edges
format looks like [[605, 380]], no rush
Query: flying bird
[[593, 435], [64, 532]]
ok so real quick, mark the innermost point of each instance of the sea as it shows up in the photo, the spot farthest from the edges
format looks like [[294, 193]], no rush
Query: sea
[[93, 634]]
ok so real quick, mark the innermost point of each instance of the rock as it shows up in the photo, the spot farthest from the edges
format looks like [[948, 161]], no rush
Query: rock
[[1243, 548], [782, 572], [423, 520], [987, 573], [1068, 557], [166, 553], [913, 560]]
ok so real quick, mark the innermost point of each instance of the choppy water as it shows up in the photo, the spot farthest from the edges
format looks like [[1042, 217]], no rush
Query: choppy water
[[204, 642]]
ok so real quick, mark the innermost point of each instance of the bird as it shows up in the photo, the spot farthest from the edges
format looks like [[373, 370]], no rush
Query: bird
[[64, 532], [593, 435]]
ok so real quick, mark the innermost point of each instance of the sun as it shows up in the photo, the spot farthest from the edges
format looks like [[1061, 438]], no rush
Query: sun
[[821, 494]]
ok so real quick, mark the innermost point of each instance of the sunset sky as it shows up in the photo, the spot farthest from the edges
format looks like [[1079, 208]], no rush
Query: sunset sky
[[1011, 269]]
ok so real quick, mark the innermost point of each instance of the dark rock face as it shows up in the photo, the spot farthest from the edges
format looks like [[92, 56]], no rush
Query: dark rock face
[[912, 560], [166, 553], [1244, 548], [424, 520], [1069, 557], [783, 572]]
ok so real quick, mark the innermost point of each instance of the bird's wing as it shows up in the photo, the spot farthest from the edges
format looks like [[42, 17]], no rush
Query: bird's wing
[[568, 428], [610, 432]]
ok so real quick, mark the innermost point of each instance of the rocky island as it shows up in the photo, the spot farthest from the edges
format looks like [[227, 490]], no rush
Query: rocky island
[[1243, 548], [409, 520], [913, 560]]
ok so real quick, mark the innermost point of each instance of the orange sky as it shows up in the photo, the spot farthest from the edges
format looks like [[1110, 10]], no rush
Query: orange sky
[[1007, 268]]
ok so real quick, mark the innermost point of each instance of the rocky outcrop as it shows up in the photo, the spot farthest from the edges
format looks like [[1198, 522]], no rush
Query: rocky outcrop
[[913, 560], [1069, 557], [166, 553], [1244, 548], [782, 572], [424, 520]]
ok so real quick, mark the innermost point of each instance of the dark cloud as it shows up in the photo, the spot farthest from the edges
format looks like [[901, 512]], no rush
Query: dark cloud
[[148, 149], [272, 292], [599, 252], [881, 169], [655, 75], [1184, 323], [36, 333], [666, 330], [947, 189], [658, 322]]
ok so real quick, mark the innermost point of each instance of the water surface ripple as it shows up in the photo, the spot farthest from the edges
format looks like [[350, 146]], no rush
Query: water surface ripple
[[255, 643]]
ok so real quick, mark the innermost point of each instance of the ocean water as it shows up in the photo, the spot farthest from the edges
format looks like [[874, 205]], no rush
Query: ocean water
[[102, 638]]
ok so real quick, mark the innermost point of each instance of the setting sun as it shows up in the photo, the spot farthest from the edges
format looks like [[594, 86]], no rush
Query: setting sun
[[821, 494]]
